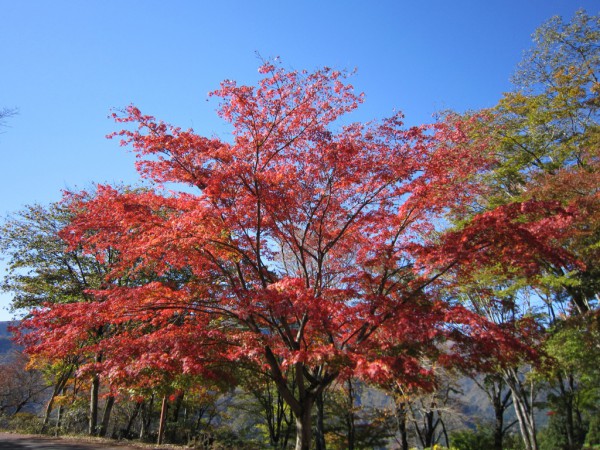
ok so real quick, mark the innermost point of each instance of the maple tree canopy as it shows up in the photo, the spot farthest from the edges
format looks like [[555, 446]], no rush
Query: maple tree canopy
[[303, 246]]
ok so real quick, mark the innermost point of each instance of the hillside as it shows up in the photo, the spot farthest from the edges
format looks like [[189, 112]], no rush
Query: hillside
[[5, 338]]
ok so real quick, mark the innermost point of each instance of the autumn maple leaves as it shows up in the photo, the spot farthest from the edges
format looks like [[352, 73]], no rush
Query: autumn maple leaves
[[305, 248]]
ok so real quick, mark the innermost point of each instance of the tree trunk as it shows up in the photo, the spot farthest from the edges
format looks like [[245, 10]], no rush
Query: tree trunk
[[58, 420], [48, 411], [566, 393], [146, 417], [177, 407], [58, 387], [498, 426], [94, 391], [134, 414], [429, 429], [303, 425], [19, 407], [320, 429], [444, 432], [523, 404], [499, 395], [163, 420], [401, 422], [350, 425], [307, 391], [110, 401], [171, 435]]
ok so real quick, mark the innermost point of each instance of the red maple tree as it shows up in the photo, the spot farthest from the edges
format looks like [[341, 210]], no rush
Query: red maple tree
[[305, 249]]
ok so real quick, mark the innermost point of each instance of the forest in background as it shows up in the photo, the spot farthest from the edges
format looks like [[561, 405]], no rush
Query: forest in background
[[324, 287]]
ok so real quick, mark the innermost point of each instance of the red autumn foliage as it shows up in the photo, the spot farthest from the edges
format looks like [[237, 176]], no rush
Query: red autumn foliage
[[302, 247]]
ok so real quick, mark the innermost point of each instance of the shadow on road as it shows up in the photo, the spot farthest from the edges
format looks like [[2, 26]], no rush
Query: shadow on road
[[38, 444]]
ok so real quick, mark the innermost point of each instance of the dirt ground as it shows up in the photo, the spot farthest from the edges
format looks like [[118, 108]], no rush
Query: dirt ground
[[10, 441]]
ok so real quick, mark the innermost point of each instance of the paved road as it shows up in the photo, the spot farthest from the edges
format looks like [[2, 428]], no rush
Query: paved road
[[10, 441]]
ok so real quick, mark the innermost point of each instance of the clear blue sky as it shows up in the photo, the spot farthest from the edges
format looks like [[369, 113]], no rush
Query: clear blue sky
[[65, 64]]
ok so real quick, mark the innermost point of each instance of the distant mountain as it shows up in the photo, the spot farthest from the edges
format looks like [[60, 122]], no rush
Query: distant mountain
[[6, 344]]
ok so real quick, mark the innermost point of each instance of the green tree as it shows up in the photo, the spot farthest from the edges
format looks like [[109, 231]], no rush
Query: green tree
[[574, 376], [545, 136], [550, 120], [43, 269]]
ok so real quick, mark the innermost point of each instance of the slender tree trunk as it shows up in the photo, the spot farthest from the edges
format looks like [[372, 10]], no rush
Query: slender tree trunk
[[58, 420], [429, 429], [94, 391], [143, 424], [498, 426], [163, 420], [288, 432], [445, 432], [19, 407], [48, 411], [401, 423], [320, 429], [177, 407], [110, 401], [350, 425], [146, 417], [58, 387], [132, 418], [172, 434], [59, 416], [523, 404], [351, 430], [499, 395]]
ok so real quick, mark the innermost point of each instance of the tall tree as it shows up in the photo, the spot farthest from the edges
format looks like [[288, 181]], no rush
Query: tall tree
[[545, 136], [304, 248], [43, 271]]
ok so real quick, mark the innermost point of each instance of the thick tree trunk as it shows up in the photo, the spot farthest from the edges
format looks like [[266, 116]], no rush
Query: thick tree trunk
[[309, 383], [304, 425], [525, 426], [94, 391], [110, 401]]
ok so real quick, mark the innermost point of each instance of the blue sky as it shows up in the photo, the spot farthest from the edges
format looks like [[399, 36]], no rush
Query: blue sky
[[65, 64]]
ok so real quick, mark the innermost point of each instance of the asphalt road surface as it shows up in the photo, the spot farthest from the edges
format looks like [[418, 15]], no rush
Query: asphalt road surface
[[10, 441]]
